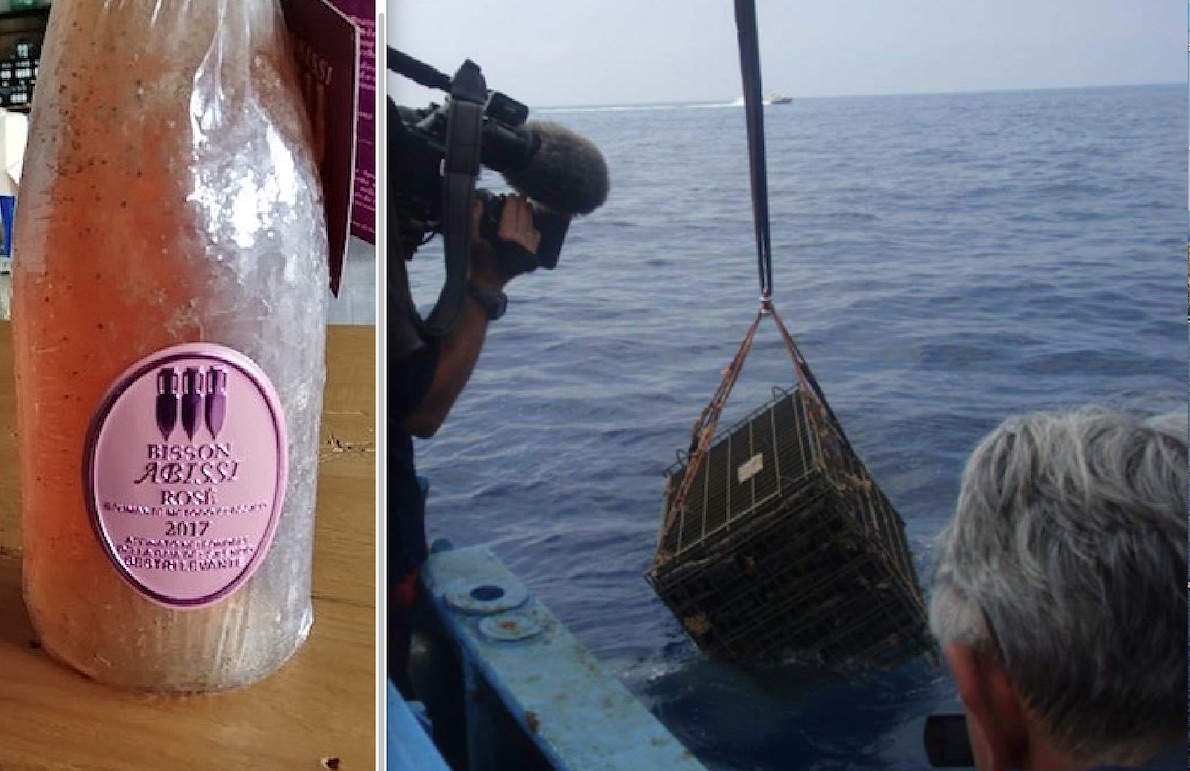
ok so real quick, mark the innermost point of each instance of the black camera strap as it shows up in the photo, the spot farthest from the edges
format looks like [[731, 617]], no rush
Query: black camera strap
[[460, 167]]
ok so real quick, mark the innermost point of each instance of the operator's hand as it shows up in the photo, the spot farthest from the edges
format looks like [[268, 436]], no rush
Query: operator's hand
[[515, 228], [516, 223]]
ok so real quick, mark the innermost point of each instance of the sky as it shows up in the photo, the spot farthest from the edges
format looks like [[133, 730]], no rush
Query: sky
[[570, 52]]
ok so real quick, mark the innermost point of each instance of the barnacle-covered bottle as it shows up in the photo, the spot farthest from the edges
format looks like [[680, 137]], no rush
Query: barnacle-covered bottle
[[169, 312]]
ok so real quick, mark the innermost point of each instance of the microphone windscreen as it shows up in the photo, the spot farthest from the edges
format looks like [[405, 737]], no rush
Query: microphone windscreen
[[567, 173]]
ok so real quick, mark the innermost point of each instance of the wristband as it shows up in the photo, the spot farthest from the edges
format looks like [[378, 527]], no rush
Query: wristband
[[493, 301]]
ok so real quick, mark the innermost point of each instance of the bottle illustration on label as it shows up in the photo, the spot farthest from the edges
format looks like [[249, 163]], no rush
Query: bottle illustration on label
[[186, 520], [167, 401], [192, 383], [213, 397], [216, 405]]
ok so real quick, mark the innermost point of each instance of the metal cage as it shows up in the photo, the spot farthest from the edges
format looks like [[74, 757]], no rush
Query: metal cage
[[787, 550]]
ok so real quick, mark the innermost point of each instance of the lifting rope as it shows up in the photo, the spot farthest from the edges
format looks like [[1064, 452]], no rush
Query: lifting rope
[[745, 20], [818, 411]]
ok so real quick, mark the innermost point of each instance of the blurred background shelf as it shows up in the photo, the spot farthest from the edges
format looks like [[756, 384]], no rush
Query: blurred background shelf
[[22, 32]]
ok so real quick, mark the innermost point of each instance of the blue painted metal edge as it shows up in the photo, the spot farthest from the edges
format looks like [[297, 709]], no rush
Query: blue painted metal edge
[[408, 746], [579, 715]]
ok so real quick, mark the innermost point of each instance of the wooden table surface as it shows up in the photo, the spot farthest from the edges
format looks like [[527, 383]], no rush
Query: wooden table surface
[[320, 705]]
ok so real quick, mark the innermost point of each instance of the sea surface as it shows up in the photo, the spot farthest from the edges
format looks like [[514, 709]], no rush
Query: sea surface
[[944, 261]]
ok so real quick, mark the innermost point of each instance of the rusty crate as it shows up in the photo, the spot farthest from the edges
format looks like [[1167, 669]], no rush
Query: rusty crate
[[787, 550]]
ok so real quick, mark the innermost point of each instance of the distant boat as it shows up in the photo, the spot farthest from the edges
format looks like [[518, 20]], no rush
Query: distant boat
[[769, 98]]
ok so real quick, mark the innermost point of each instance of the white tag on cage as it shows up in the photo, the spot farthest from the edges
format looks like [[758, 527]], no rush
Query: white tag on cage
[[750, 468]]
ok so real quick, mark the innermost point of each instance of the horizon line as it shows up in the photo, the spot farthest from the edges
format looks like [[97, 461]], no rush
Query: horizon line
[[728, 101]]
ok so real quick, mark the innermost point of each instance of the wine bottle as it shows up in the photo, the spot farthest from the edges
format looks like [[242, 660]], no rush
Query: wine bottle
[[169, 318]]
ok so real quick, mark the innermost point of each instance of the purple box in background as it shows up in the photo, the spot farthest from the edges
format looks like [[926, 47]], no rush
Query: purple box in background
[[363, 215], [334, 45]]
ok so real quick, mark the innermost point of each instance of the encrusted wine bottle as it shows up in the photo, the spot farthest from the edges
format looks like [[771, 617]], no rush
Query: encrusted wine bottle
[[169, 315]]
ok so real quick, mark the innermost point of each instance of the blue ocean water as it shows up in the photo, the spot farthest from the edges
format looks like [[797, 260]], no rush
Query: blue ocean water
[[943, 261]]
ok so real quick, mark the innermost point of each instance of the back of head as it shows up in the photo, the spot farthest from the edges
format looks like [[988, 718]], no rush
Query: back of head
[[1069, 542]]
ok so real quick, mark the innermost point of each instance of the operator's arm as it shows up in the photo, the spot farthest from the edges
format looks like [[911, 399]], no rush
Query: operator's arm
[[459, 351], [457, 354]]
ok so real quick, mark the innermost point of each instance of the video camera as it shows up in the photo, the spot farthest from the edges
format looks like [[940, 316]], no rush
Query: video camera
[[434, 157], [418, 144], [946, 741]]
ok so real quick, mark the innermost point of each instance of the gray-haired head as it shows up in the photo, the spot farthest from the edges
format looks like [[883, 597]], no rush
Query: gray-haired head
[[1069, 541]]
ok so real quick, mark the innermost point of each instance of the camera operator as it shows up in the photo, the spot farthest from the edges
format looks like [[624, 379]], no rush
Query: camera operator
[[1058, 597], [424, 385], [435, 155]]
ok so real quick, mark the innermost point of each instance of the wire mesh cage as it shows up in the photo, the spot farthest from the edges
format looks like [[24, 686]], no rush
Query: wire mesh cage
[[786, 549]]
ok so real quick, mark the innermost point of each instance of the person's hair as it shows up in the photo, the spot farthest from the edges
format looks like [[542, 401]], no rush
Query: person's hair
[[1066, 562]]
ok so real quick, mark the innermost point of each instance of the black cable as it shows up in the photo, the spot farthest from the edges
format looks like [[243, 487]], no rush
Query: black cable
[[745, 19]]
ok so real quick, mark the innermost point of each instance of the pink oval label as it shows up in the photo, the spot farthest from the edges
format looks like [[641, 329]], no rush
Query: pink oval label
[[185, 470]]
